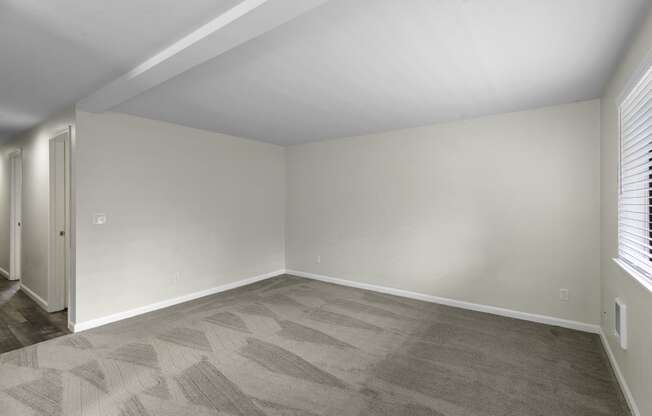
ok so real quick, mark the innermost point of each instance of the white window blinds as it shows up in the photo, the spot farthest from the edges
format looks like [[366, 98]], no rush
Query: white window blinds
[[635, 196]]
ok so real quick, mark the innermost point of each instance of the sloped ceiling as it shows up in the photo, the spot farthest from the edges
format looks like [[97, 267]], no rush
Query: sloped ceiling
[[356, 67], [344, 68]]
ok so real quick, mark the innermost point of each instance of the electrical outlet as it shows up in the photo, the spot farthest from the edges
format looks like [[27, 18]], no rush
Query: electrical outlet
[[563, 295], [99, 219], [318, 259]]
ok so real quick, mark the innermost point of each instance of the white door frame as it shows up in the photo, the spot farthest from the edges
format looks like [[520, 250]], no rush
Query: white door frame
[[15, 221], [59, 289]]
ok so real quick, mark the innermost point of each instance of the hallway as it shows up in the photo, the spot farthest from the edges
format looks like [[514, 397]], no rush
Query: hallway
[[23, 322]]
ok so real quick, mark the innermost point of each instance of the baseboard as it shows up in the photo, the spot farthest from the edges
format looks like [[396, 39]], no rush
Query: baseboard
[[36, 298], [93, 323], [580, 326], [4, 273], [619, 376]]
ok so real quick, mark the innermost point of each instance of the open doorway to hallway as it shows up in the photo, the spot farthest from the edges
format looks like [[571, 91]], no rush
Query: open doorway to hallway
[[34, 298]]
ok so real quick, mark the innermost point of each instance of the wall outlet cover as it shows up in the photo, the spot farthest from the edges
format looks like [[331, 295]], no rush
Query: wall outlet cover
[[563, 295], [99, 219]]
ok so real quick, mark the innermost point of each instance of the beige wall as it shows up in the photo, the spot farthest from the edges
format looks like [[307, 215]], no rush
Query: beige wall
[[634, 363], [501, 211], [36, 190], [188, 210]]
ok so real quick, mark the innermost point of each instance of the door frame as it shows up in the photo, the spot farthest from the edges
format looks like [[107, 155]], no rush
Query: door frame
[[15, 214], [59, 290]]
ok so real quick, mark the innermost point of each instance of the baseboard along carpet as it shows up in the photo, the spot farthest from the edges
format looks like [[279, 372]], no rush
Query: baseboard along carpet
[[293, 346]]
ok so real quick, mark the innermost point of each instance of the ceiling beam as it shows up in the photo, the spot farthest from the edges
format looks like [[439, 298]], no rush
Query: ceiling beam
[[243, 22]]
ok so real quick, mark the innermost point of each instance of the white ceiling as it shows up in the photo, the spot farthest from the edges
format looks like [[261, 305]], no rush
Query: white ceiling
[[345, 68], [53, 53], [357, 67]]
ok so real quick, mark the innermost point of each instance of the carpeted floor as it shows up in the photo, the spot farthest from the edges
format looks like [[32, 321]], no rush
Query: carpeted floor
[[295, 347]]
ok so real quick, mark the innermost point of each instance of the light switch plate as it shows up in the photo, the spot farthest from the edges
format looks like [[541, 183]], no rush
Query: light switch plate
[[99, 219]]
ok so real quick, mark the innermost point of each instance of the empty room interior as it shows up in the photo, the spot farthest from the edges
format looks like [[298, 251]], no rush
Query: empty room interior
[[326, 208]]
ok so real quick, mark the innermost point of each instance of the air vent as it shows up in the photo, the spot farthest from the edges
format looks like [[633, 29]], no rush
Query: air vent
[[620, 316]]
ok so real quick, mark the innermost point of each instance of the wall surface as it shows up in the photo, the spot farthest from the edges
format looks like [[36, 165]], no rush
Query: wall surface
[[36, 193], [500, 211], [635, 362], [188, 210]]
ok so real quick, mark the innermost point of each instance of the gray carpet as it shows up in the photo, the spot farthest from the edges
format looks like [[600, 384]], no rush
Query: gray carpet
[[295, 347]]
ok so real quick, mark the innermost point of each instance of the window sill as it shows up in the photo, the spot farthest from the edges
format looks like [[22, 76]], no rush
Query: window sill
[[638, 276]]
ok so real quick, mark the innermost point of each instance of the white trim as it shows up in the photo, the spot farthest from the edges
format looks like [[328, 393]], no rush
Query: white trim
[[4, 273], [635, 274], [15, 214], [619, 376], [93, 323], [72, 226], [565, 323], [36, 298], [57, 287]]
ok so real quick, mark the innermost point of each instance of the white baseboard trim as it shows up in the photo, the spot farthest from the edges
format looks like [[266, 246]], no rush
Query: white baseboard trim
[[4, 273], [93, 323], [619, 376], [36, 298], [580, 326]]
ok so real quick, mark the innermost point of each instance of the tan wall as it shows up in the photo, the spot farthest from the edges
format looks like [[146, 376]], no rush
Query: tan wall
[[501, 211], [634, 363], [188, 210]]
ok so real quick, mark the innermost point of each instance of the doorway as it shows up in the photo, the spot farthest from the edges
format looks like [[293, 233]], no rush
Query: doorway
[[58, 270], [15, 225]]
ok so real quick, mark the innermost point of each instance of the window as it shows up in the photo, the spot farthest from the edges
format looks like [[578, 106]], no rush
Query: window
[[635, 195]]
